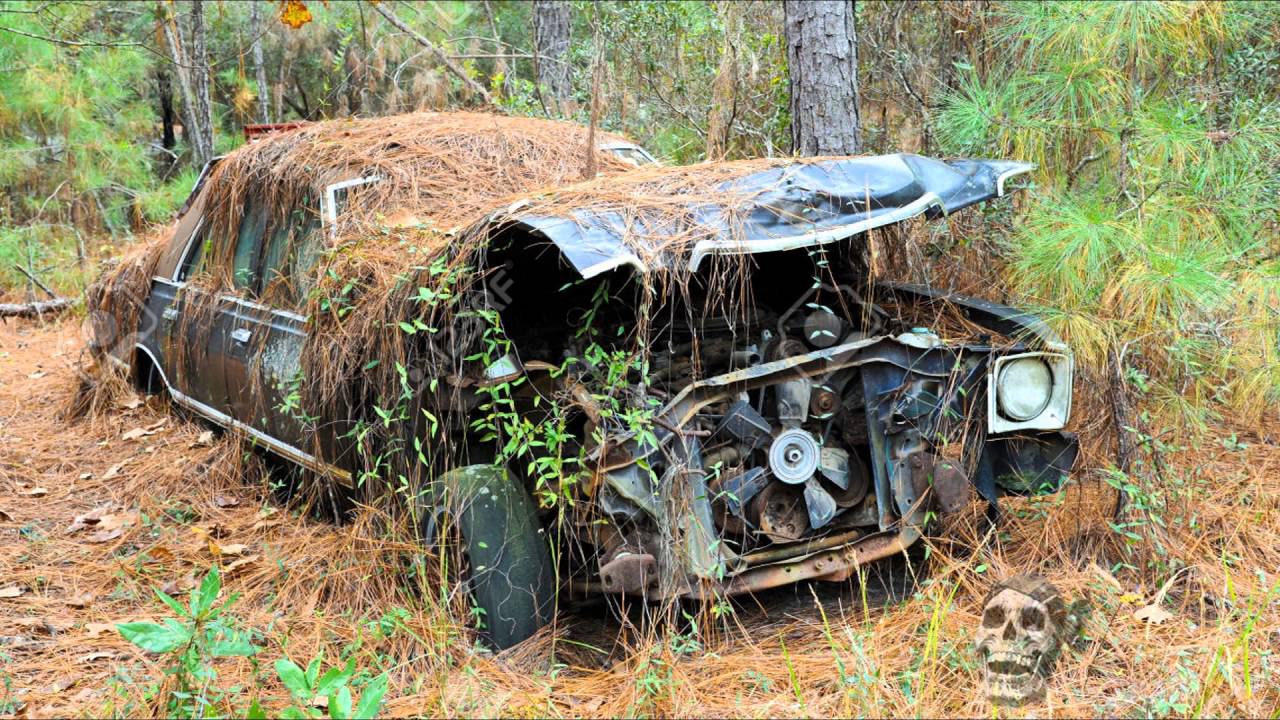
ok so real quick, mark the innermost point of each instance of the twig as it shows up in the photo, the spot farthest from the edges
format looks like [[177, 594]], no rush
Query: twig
[[444, 59], [71, 43], [1071, 177], [31, 276]]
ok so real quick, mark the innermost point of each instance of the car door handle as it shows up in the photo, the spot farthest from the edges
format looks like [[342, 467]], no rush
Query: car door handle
[[241, 335]]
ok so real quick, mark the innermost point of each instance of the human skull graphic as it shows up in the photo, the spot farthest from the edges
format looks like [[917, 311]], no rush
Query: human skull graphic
[[1023, 624]]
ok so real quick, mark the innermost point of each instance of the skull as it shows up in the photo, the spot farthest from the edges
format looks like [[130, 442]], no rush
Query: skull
[[1023, 624]]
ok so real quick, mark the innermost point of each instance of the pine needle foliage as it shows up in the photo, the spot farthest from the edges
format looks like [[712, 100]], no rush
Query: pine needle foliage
[[73, 159], [1154, 230]]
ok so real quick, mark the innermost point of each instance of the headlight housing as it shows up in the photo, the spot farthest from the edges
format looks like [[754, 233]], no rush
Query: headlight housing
[[1029, 391]]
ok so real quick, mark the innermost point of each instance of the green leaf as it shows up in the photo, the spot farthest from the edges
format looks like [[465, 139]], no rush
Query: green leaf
[[202, 597], [371, 699], [333, 679], [408, 328], [313, 673], [173, 604], [340, 704], [155, 638], [293, 678], [234, 645], [255, 711]]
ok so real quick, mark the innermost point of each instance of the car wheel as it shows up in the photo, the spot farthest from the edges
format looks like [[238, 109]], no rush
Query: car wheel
[[503, 558]]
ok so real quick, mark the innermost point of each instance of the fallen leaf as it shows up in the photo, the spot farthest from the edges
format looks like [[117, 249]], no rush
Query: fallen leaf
[[267, 511], [37, 375], [225, 501], [105, 535], [173, 587], [114, 471], [205, 439], [12, 591], [134, 434], [117, 520], [153, 427], [85, 476], [160, 553], [231, 549], [50, 626], [83, 600], [235, 565], [95, 656], [1130, 598], [61, 685], [1153, 614], [132, 403], [96, 629], [35, 492], [5, 516], [93, 517], [264, 524]]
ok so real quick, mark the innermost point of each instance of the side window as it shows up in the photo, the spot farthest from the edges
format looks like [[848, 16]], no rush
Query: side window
[[290, 246], [244, 266], [193, 263], [283, 281]]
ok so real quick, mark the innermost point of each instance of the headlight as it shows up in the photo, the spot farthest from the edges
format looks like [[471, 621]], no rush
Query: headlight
[[1024, 388], [1029, 391]]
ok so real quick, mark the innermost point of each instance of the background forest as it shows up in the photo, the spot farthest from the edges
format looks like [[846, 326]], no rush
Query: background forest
[[1155, 127], [1149, 235]]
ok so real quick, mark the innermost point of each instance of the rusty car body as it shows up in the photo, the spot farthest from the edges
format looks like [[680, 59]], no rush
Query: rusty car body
[[794, 424]]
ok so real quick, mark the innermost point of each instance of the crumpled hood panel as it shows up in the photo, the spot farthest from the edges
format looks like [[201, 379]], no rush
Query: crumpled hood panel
[[791, 206]]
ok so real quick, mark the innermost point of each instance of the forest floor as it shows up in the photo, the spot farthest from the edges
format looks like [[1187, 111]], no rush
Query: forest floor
[[98, 512]]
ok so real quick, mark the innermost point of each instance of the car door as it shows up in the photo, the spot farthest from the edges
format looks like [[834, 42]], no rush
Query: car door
[[238, 319], [194, 331], [274, 330], [290, 252]]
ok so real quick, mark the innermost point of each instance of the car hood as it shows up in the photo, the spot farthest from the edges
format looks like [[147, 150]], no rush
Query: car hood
[[791, 206]]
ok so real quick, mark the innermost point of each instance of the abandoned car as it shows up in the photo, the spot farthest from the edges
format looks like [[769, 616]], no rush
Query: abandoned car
[[657, 381]]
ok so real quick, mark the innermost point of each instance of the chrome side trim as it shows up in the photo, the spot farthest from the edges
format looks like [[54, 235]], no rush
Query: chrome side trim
[[821, 237], [240, 301], [258, 306], [611, 263]]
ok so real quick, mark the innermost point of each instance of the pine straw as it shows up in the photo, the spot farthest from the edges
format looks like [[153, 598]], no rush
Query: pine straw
[[315, 586]]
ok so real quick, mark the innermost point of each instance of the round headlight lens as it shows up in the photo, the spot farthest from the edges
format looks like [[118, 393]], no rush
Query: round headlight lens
[[1024, 388]]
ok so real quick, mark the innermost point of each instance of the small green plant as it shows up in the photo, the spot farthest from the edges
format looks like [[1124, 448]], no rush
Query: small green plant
[[203, 631], [8, 705], [306, 686]]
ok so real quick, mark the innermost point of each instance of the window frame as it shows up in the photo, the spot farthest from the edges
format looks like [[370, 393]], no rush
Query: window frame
[[329, 208]]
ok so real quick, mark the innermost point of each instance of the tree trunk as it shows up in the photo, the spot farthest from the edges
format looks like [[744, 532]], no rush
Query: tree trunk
[[259, 68], [164, 92], [822, 58], [200, 85], [197, 127], [550, 50], [724, 90], [35, 309]]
